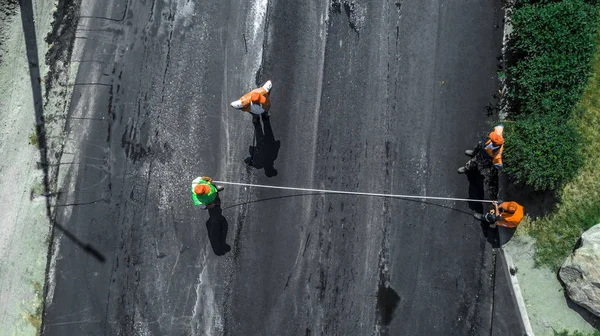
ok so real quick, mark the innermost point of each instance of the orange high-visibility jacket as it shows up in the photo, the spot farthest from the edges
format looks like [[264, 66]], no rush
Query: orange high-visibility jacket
[[495, 152], [247, 99], [510, 220]]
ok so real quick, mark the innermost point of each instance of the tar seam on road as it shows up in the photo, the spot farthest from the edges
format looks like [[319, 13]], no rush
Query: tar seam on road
[[353, 192]]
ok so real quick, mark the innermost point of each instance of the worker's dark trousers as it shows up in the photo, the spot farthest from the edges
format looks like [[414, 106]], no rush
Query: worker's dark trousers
[[488, 217], [478, 157]]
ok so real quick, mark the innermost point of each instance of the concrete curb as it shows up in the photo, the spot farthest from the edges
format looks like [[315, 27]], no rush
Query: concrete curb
[[517, 294]]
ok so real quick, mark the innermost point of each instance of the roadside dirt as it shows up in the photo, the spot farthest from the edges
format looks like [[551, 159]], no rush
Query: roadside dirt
[[36, 42], [8, 9]]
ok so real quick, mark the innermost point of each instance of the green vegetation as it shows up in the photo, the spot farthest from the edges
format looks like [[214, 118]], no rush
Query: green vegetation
[[38, 189], [33, 139], [579, 207], [550, 51], [542, 151], [576, 333], [35, 318]]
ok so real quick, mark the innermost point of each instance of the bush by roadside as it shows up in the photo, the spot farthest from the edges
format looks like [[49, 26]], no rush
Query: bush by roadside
[[544, 150], [576, 333], [579, 208], [549, 55]]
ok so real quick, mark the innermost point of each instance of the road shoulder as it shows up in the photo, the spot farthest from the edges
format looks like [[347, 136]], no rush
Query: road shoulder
[[24, 224]]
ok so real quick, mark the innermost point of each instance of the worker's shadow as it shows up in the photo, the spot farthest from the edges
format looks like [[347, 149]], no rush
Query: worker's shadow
[[216, 227], [477, 191], [264, 152]]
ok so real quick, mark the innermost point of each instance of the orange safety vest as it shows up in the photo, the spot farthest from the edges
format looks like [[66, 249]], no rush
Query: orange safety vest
[[247, 99], [495, 152], [510, 220]]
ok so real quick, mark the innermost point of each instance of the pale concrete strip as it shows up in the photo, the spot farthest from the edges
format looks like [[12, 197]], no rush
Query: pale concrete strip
[[517, 293]]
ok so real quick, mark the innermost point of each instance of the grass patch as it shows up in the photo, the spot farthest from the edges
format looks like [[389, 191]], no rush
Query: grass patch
[[35, 318], [33, 139], [579, 208], [38, 189], [575, 333]]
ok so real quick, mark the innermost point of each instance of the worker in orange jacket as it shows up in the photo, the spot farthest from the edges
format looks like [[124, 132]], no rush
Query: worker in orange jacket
[[506, 214], [491, 150], [256, 101]]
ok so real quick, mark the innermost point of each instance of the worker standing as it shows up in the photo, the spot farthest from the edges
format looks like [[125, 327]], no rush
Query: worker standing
[[204, 193], [256, 101], [505, 214], [491, 150]]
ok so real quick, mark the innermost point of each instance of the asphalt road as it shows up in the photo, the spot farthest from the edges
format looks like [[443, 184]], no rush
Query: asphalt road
[[371, 96]]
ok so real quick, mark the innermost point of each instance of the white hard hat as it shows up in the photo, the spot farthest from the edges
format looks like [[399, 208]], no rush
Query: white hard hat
[[237, 104]]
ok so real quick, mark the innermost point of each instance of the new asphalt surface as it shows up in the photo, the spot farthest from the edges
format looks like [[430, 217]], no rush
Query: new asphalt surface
[[372, 96]]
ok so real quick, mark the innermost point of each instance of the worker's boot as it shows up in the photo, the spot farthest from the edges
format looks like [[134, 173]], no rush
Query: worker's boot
[[478, 216], [471, 164], [470, 152], [237, 104], [268, 85], [220, 188]]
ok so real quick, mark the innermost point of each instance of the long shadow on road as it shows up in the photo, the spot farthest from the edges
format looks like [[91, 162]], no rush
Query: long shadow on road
[[477, 191], [216, 227], [264, 153]]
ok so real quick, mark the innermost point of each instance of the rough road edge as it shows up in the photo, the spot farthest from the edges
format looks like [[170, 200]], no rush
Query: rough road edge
[[516, 289], [58, 83]]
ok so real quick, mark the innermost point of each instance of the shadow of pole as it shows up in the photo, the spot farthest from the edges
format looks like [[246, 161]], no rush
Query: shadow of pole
[[29, 32], [27, 20], [86, 247]]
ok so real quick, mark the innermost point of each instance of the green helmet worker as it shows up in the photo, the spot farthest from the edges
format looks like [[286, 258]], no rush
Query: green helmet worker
[[204, 192]]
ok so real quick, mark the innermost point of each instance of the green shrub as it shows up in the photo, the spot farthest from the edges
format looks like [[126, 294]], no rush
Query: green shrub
[[552, 46], [576, 333], [520, 3], [542, 150]]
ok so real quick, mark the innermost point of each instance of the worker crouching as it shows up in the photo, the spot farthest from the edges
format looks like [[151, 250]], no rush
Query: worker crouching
[[204, 193], [490, 151], [505, 214]]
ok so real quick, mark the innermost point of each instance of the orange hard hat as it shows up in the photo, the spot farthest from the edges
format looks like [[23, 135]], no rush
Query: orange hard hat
[[201, 189], [258, 98], [496, 138], [511, 208]]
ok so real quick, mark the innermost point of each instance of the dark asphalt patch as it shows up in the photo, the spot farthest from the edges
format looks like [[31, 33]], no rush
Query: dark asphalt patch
[[354, 11], [387, 301]]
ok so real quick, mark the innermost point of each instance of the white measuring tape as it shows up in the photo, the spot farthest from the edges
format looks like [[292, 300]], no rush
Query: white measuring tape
[[352, 192]]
